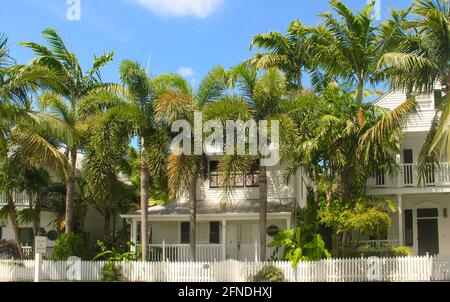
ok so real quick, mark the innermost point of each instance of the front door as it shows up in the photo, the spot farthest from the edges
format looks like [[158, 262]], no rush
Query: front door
[[247, 235], [428, 236]]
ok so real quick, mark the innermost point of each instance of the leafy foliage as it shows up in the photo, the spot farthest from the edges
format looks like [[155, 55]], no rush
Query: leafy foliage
[[8, 249], [269, 273], [300, 244], [69, 244]]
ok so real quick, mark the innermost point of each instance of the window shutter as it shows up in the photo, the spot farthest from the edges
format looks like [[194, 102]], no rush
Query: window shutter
[[185, 233], [214, 232], [409, 241]]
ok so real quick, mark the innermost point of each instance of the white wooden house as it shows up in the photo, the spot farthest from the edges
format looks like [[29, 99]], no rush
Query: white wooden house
[[227, 223], [421, 220]]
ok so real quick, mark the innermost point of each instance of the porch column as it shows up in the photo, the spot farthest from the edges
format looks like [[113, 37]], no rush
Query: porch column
[[400, 220], [224, 240], [288, 223], [134, 231], [398, 159]]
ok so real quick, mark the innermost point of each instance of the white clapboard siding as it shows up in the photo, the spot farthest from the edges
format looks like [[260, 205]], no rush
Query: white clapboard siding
[[332, 270]]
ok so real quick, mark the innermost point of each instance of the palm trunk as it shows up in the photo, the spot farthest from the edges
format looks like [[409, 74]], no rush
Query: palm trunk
[[37, 217], [13, 217], [299, 80], [262, 181], [107, 226], [193, 217], [70, 190], [360, 93], [145, 184]]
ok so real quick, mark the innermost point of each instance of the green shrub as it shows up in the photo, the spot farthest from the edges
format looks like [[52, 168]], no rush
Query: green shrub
[[8, 249], [387, 250], [69, 244], [111, 273], [401, 251], [269, 273]]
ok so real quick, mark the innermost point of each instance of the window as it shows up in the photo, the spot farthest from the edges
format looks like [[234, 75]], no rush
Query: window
[[438, 99], [427, 213], [214, 232], [214, 181], [185, 233], [150, 233], [26, 236], [239, 180], [409, 228], [273, 230]]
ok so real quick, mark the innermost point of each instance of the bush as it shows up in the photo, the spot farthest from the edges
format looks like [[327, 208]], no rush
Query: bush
[[401, 251], [8, 249], [111, 273], [365, 251], [69, 244], [269, 273]]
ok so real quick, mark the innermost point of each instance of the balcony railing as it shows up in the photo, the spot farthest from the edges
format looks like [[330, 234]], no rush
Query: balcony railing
[[408, 177], [20, 198]]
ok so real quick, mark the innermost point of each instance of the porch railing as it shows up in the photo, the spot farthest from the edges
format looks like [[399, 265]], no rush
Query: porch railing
[[28, 253], [438, 175], [379, 244], [182, 252], [207, 252]]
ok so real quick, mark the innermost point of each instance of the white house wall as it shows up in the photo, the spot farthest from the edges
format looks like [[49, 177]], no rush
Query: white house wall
[[46, 223], [439, 201]]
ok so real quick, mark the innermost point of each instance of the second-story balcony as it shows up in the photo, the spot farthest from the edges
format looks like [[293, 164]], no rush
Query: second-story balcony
[[20, 199], [435, 176]]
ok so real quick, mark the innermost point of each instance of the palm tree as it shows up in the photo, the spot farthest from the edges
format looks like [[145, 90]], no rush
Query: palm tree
[[416, 60], [346, 46], [23, 132], [290, 53], [106, 158], [336, 153], [65, 95], [265, 96], [153, 142], [179, 102]]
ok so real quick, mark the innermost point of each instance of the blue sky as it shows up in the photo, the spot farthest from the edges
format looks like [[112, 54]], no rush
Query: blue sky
[[190, 36]]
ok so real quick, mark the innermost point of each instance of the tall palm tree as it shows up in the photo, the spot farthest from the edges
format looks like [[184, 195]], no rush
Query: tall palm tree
[[290, 53], [63, 99], [418, 59], [143, 90], [179, 102], [265, 96]]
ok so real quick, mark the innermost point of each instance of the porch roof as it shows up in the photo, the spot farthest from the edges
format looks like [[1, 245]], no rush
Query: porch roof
[[249, 206]]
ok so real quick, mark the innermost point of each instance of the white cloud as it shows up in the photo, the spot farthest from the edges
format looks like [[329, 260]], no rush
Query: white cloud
[[182, 8], [185, 72]]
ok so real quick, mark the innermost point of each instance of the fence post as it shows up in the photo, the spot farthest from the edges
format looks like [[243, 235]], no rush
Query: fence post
[[164, 249], [430, 266], [37, 267]]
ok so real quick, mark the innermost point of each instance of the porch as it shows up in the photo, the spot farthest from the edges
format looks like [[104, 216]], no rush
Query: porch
[[420, 222], [221, 234]]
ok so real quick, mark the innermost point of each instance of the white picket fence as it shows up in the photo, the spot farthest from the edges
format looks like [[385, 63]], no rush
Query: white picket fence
[[333, 270]]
